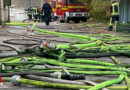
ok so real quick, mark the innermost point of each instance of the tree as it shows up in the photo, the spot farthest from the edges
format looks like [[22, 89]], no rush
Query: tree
[[98, 9]]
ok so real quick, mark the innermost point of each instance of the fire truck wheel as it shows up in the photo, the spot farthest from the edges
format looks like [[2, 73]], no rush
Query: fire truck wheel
[[54, 18], [61, 21], [76, 21], [84, 20]]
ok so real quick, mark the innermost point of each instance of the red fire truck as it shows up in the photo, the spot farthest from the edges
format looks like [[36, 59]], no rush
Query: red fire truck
[[66, 10]]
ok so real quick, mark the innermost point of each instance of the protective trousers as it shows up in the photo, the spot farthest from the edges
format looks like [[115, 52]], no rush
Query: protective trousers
[[112, 20], [30, 16], [36, 18], [42, 18], [47, 19]]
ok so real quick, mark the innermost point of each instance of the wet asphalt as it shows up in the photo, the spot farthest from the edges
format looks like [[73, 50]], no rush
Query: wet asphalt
[[17, 32]]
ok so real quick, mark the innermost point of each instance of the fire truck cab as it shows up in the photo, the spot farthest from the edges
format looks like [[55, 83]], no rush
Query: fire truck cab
[[66, 10]]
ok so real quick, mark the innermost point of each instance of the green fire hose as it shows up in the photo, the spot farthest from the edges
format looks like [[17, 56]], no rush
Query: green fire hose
[[54, 62], [17, 80], [19, 24], [82, 38], [8, 79], [108, 83], [84, 61]]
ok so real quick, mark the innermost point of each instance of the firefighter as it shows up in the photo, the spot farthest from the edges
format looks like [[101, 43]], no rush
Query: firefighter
[[36, 14], [114, 14], [47, 12], [42, 15], [29, 13]]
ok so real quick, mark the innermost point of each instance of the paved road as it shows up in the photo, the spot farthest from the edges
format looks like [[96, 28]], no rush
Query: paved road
[[19, 32]]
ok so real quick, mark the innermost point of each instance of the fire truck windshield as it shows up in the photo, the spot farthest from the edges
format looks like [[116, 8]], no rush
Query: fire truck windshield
[[74, 2]]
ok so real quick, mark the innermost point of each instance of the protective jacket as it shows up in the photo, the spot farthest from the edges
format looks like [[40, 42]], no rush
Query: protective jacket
[[115, 9], [114, 14], [47, 9], [29, 11], [35, 11]]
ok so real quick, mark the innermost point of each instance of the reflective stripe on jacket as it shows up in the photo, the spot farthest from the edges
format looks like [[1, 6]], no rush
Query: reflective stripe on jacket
[[35, 11], [115, 9], [29, 11]]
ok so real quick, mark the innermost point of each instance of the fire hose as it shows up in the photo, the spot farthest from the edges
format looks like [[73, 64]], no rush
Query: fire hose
[[58, 63], [107, 83], [113, 48]]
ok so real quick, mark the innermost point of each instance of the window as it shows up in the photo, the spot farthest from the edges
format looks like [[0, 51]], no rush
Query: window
[[59, 1]]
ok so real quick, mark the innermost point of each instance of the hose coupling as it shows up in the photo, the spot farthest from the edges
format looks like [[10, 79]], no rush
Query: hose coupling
[[15, 80], [57, 75], [23, 59], [47, 44]]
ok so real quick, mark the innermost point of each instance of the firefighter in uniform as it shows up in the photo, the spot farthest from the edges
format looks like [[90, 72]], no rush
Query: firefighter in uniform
[[114, 14], [29, 12], [42, 15], [36, 14], [47, 12]]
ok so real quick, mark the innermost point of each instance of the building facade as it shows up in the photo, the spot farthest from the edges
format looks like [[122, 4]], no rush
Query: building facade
[[124, 22], [4, 11], [124, 11]]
